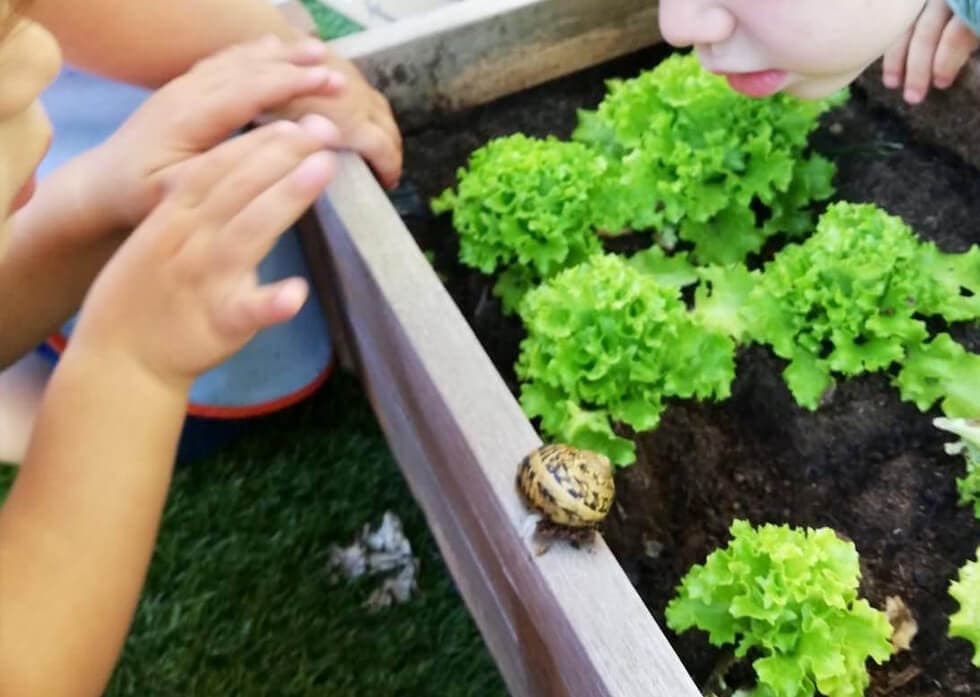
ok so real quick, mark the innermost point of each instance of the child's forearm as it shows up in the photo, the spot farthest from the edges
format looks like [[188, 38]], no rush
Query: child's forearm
[[60, 241], [78, 528], [143, 49]]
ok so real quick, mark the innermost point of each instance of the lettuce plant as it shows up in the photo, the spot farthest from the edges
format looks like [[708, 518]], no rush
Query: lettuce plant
[[941, 370], [607, 343], [791, 595], [969, 446], [965, 623], [692, 158], [523, 206], [854, 298]]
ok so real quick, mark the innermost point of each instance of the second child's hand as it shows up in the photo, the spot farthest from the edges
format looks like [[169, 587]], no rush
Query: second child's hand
[[930, 54]]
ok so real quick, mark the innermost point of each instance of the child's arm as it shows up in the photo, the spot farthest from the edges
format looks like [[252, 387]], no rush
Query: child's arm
[[152, 42], [77, 530], [932, 52], [83, 211]]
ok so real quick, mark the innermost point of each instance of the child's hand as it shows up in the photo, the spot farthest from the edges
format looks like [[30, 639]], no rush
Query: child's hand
[[182, 294], [200, 109], [364, 117], [931, 53]]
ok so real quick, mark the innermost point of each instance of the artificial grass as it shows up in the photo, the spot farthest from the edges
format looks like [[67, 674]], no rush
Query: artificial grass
[[238, 600], [332, 25]]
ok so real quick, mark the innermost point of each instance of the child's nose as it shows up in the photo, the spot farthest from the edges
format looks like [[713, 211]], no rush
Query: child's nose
[[693, 22]]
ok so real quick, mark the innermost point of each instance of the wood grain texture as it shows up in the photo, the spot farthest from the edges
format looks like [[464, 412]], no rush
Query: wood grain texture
[[568, 623], [472, 52]]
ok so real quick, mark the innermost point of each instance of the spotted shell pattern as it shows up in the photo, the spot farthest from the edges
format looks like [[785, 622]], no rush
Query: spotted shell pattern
[[570, 487]]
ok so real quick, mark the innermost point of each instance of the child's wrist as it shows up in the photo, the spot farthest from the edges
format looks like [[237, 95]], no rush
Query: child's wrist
[[108, 355], [101, 196]]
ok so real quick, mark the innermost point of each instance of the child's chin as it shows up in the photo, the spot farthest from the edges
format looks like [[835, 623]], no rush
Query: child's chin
[[819, 87]]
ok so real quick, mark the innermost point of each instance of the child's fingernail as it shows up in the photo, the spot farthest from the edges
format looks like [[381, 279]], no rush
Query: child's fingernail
[[315, 170], [320, 128], [318, 74], [312, 46], [890, 80], [942, 83], [913, 96]]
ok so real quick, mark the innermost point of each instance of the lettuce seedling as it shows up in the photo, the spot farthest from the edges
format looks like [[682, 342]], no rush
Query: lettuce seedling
[[969, 446], [607, 343], [853, 298], [791, 595], [966, 591], [691, 158], [523, 206]]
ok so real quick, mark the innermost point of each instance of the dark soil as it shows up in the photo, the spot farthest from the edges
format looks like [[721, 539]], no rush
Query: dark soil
[[866, 464]]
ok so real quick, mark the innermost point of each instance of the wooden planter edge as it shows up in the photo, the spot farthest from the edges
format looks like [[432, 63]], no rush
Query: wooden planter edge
[[567, 623], [472, 52]]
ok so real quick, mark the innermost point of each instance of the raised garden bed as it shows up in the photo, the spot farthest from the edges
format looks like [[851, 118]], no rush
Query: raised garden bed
[[438, 362]]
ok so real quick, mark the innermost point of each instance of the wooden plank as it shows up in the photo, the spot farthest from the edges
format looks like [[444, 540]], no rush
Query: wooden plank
[[472, 52], [567, 624]]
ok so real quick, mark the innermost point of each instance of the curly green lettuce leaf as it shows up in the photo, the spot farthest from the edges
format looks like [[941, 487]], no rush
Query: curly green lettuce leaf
[[791, 596], [692, 158], [606, 343], [941, 370], [673, 270], [526, 203], [853, 298], [965, 623], [722, 298]]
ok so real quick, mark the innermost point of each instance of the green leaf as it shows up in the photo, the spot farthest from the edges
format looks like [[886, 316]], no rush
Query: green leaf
[[606, 343], [527, 203], [789, 595], [968, 485], [689, 156], [675, 271], [852, 299], [941, 370], [808, 379], [965, 623], [722, 301]]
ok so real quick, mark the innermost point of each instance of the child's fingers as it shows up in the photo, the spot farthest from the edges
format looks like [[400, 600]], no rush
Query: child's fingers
[[254, 162], [254, 231], [245, 93], [893, 65], [922, 50], [381, 150], [253, 308], [957, 44]]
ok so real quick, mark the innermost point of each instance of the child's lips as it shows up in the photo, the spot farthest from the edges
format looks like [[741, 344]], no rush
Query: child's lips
[[762, 83]]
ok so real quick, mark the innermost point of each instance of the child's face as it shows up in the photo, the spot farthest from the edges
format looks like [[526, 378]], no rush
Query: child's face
[[29, 61], [809, 48]]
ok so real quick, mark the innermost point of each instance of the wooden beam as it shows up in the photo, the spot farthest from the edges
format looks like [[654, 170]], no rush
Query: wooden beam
[[566, 624], [472, 52]]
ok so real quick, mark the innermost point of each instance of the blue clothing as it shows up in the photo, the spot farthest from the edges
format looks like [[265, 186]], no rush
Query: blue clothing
[[968, 11], [278, 366]]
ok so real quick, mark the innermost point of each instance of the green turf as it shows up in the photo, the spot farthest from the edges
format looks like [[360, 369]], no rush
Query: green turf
[[332, 24], [238, 601]]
